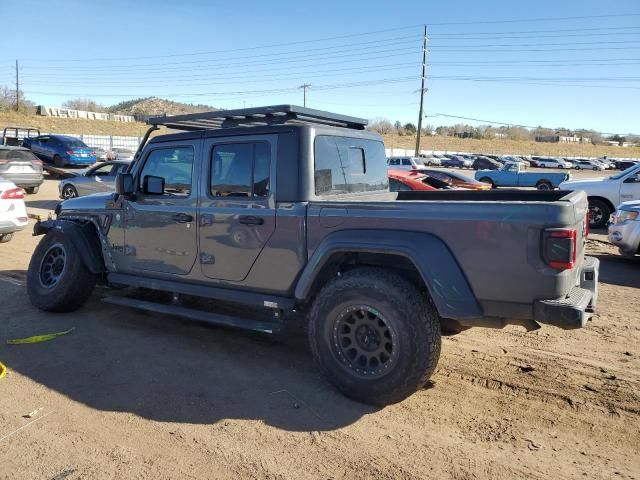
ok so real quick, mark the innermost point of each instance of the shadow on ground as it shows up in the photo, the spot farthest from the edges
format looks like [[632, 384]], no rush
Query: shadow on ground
[[166, 369], [618, 270]]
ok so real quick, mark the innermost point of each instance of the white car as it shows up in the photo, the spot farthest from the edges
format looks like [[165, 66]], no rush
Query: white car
[[406, 163], [553, 163], [605, 192], [118, 153], [624, 229], [13, 212], [588, 165]]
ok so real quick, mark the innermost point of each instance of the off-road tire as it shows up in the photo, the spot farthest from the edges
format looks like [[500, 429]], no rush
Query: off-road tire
[[75, 282], [410, 314], [604, 210]]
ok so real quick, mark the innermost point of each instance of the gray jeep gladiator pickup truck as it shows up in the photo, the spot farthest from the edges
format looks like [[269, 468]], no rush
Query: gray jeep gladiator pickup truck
[[284, 212]]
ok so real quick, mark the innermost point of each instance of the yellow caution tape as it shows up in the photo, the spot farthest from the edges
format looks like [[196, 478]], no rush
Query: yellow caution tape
[[3, 370], [38, 338]]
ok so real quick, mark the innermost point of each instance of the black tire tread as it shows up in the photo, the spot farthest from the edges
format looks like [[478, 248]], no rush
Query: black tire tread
[[426, 338], [74, 287]]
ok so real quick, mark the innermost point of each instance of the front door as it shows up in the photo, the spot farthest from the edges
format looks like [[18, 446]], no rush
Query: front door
[[160, 229], [630, 188], [237, 208]]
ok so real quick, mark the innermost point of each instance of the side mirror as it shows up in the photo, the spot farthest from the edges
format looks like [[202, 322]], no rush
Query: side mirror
[[152, 185], [124, 184]]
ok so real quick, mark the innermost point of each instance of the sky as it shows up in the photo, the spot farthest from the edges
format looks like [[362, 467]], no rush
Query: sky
[[523, 63]]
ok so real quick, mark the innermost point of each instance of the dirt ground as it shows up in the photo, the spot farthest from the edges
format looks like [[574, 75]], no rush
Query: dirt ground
[[135, 395]]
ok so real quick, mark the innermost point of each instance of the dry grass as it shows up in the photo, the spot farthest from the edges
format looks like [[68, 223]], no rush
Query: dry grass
[[70, 125], [497, 146]]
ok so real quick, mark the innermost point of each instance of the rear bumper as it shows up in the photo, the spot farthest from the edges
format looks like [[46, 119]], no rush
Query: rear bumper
[[23, 180], [576, 308], [10, 226]]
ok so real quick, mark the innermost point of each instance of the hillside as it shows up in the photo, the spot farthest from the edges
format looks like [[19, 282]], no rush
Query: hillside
[[505, 146], [71, 125], [156, 106]]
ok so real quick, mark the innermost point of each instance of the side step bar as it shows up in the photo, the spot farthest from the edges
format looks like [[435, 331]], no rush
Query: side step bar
[[199, 315]]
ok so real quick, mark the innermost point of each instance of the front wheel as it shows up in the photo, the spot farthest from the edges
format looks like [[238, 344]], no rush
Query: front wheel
[[599, 213], [57, 280], [69, 191], [375, 335]]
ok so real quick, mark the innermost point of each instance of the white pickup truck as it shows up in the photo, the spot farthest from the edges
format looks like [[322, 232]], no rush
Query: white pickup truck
[[606, 192]]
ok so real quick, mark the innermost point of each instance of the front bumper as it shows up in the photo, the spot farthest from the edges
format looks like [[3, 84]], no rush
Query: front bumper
[[576, 308], [625, 236]]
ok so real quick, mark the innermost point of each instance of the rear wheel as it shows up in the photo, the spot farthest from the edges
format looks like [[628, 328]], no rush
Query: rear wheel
[[375, 335], [57, 280], [58, 161], [32, 190], [577, 167], [544, 185], [69, 191], [599, 213], [489, 181], [595, 169]]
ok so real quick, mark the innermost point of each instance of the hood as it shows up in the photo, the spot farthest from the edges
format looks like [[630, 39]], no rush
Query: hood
[[631, 205], [584, 182], [95, 202]]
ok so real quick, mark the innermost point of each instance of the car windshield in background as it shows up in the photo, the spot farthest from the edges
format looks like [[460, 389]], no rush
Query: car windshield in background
[[624, 172], [18, 155]]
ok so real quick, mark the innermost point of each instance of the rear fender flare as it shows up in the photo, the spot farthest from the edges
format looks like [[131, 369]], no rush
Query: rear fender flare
[[445, 280]]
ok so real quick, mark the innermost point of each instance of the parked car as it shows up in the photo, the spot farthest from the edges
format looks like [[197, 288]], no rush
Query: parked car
[[624, 228], [548, 162], [624, 164], [99, 178], [118, 153], [294, 222], [514, 158], [101, 154], [401, 180], [456, 161], [61, 150], [455, 179], [404, 163], [13, 212], [582, 164], [485, 163], [22, 167], [429, 160], [514, 174], [605, 192]]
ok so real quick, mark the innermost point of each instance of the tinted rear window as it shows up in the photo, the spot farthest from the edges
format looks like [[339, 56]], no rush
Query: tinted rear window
[[349, 165], [74, 143], [18, 155]]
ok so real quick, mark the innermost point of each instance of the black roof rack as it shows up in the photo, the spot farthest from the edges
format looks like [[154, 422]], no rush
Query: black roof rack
[[251, 117]]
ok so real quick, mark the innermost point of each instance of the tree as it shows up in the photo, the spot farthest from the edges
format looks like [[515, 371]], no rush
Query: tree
[[8, 100], [84, 104], [381, 125], [410, 128]]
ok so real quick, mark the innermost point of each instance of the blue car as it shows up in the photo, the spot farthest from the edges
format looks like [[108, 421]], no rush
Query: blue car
[[456, 161], [61, 150]]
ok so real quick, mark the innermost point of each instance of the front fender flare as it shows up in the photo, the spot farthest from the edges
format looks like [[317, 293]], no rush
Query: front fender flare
[[84, 238], [445, 280]]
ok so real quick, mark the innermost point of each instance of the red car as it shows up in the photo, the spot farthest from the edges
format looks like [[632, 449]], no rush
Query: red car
[[402, 180]]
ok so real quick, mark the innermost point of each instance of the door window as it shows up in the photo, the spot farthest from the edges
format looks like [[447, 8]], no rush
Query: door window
[[103, 171], [175, 165], [406, 162], [240, 170]]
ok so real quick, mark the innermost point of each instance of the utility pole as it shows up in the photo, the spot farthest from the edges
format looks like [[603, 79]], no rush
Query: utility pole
[[304, 88], [17, 88], [425, 41]]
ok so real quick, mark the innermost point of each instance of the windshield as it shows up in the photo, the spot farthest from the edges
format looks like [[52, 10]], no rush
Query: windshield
[[19, 155], [624, 172]]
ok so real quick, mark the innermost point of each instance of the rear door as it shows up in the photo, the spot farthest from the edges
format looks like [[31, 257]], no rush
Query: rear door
[[237, 205]]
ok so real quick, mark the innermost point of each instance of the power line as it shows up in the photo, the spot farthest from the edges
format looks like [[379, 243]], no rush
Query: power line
[[491, 122]]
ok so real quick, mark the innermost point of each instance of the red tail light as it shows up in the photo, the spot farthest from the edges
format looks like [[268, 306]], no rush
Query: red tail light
[[70, 152], [12, 194], [559, 248]]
